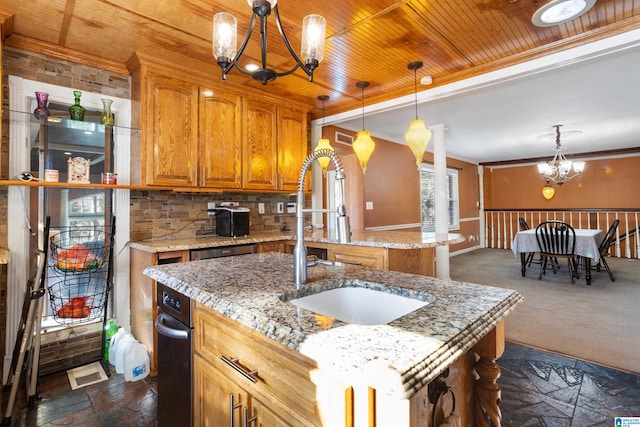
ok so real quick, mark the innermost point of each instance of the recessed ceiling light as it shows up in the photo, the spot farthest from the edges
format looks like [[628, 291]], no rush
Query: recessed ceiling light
[[559, 11]]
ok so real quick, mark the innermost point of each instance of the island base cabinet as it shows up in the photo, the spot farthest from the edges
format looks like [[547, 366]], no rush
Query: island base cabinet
[[282, 387]]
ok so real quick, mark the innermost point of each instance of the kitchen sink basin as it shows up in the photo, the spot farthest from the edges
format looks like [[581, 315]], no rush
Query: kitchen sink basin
[[361, 306]]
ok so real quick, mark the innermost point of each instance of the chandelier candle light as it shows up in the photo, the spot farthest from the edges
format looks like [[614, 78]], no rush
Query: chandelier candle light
[[363, 145], [418, 135], [558, 170], [225, 51], [323, 143]]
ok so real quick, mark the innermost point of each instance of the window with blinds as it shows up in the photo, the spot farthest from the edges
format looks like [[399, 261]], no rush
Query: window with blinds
[[428, 201]]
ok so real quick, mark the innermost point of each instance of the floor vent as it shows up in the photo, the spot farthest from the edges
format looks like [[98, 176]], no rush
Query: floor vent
[[86, 375]]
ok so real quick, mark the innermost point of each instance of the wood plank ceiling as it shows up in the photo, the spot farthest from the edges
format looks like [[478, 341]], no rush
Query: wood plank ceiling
[[372, 40]]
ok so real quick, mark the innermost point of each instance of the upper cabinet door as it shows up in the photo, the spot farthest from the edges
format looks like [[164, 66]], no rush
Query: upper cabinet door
[[172, 125], [221, 140], [259, 148], [292, 147]]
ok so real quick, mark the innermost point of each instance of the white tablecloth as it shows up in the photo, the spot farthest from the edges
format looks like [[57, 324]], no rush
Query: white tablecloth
[[587, 242]]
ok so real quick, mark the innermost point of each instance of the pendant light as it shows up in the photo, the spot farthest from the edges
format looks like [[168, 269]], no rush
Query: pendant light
[[323, 143], [363, 145], [548, 191], [418, 135]]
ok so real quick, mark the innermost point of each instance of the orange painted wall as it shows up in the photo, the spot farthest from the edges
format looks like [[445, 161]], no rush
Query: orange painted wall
[[605, 183]]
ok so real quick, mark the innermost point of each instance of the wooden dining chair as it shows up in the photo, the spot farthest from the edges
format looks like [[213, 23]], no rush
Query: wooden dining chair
[[557, 240], [530, 256], [608, 240]]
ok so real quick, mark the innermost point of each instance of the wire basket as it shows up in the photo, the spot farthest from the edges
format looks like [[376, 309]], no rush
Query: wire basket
[[79, 250], [78, 299]]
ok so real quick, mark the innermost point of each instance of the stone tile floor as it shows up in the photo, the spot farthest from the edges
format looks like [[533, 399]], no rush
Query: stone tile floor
[[549, 390], [539, 389]]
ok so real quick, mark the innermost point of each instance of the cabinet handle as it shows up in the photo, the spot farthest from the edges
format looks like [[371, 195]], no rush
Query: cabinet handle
[[232, 408], [245, 417], [247, 374]]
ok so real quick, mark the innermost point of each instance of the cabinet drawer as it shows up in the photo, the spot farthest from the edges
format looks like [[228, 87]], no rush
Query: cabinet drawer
[[368, 257], [283, 375], [271, 247]]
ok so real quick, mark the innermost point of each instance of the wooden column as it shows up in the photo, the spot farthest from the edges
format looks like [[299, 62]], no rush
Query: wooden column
[[487, 391]]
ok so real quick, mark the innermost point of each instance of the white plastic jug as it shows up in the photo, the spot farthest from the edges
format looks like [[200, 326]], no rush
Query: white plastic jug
[[123, 347], [136, 362], [115, 342]]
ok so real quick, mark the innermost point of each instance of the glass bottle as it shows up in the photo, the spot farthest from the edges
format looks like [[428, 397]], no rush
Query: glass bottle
[[106, 118], [41, 111], [76, 110]]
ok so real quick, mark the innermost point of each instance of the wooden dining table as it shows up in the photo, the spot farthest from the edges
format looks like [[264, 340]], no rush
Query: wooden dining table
[[587, 246]]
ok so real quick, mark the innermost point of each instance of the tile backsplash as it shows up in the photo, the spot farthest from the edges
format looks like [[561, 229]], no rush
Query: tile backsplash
[[165, 215]]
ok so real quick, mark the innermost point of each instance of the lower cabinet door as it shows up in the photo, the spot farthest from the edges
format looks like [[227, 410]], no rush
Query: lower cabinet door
[[220, 401]]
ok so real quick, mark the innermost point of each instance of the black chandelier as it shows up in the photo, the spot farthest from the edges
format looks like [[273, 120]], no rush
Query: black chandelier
[[224, 42]]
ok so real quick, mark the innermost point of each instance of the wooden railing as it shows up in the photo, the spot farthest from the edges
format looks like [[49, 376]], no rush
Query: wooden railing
[[502, 225]]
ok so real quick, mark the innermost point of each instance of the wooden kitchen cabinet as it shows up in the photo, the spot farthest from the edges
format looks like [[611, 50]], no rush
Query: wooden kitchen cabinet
[[292, 147], [283, 393], [415, 261], [278, 246], [275, 146], [220, 143], [165, 109], [229, 140], [260, 146], [142, 291], [221, 401], [366, 256], [290, 389]]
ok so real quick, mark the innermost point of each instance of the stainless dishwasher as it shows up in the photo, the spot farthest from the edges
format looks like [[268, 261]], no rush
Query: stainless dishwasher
[[222, 251], [174, 326]]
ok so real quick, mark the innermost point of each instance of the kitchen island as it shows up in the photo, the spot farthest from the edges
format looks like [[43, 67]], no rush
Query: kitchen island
[[405, 251], [355, 374]]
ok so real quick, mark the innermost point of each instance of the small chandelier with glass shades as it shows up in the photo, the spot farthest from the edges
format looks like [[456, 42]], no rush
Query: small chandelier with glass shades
[[560, 169], [224, 42]]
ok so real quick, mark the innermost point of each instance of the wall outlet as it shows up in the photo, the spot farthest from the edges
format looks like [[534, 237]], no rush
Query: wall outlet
[[291, 207], [368, 206], [280, 207], [261, 208], [210, 207]]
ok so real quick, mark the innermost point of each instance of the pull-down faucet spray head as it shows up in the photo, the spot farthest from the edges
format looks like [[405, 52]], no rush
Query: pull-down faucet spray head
[[342, 220]]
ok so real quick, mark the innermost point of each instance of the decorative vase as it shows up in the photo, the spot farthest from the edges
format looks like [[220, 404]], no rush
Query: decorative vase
[[41, 111], [76, 110], [106, 118]]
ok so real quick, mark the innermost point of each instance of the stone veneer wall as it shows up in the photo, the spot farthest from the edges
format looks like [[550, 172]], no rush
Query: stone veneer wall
[[158, 214]]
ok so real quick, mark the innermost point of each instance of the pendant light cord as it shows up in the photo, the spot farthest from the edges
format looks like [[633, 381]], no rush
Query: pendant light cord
[[415, 89], [362, 108]]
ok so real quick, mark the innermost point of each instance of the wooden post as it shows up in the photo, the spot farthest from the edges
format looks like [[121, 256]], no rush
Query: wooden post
[[487, 391]]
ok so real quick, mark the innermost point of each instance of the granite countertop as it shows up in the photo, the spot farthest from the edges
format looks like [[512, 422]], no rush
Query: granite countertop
[[4, 256], [382, 239], [398, 358]]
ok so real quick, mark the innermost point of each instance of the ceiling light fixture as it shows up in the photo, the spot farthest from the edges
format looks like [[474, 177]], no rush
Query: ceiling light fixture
[[225, 36], [557, 12], [418, 135], [323, 143], [559, 168], [363, 145]]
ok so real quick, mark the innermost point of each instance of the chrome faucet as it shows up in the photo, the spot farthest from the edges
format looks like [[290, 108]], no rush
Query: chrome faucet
[[343, 230]]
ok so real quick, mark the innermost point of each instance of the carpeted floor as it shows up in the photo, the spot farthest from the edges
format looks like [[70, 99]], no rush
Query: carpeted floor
[[597, 323]]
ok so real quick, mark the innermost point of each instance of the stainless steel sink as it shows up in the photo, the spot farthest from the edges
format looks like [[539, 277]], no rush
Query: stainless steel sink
[[361, 306]]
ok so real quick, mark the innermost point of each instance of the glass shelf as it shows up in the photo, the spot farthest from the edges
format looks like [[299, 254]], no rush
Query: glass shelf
[[64, 122]]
